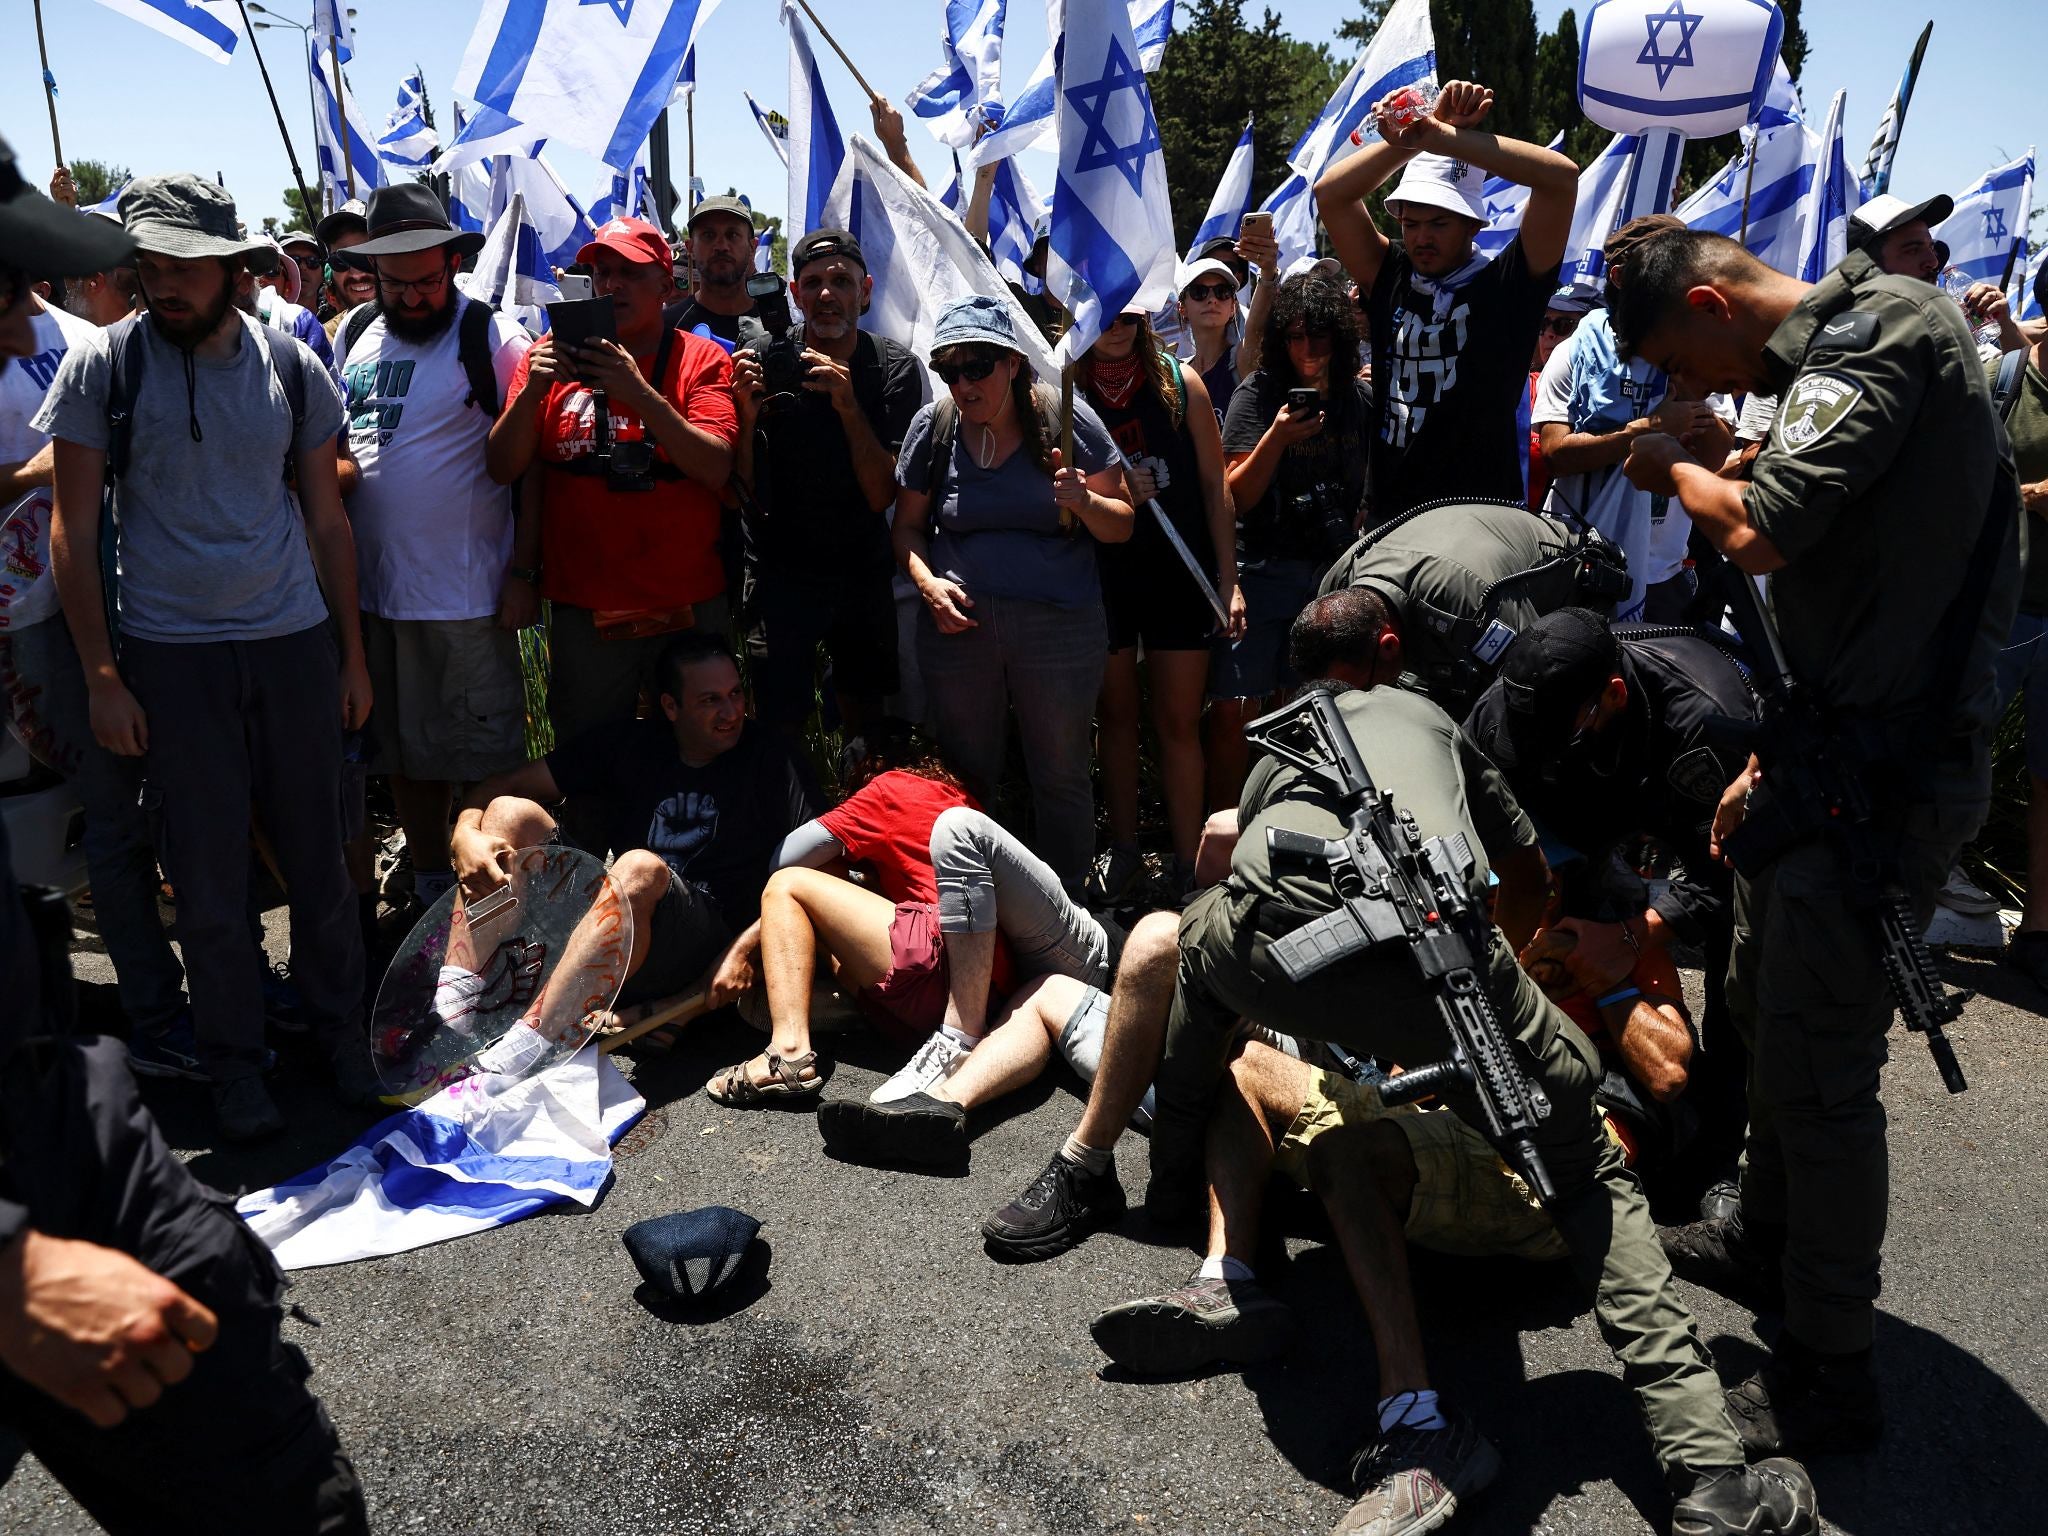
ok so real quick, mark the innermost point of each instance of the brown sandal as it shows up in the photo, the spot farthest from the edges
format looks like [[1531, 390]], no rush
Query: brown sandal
[[735, 1088]]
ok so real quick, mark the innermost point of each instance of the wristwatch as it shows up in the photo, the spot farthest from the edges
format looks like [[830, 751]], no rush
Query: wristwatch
[[526, 573]]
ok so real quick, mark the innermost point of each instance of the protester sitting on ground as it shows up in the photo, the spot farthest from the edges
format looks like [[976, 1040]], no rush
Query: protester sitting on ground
[[693, 807], [347, 280], [1567, 311], [629, 516], [1159, 416], [1000, 539], [1451, 330], [1297, 479]]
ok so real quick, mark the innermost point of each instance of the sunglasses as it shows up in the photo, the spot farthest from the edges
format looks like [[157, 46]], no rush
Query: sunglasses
[[1122, 320], [1563, 325], [1201, 291], [973, 371]]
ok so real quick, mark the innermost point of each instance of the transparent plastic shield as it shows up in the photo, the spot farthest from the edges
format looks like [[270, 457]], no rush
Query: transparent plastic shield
[[508, 983]]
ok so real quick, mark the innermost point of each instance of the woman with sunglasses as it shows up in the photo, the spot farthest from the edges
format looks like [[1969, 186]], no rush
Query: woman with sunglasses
[[1297, 479], [1209, 309], [999, 538], [1159, 413]]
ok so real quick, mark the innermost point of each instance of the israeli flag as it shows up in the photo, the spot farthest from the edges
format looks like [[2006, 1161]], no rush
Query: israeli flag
[[816, 151], [593, 74], [1112, 226], [776, 133], [1781, 102], [967, 89], [1014, 211], [1505, 202], [686, 82], [1603, 195], [469, 186], [1876, 175], [407, 140], [1027, 121], [564, 228], [1824, 210], [1151, 26], [764, 251], [1293, 206], [211, 27], [479, 1154], [2025, 297], [1788, 159], [1402, 52], [1233, 198], [330, 20], [628, 195], [339, 130], [110, 205], [1990, 219]]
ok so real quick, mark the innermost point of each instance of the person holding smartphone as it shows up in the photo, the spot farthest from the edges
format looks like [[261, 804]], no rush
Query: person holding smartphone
[[1295, 444]]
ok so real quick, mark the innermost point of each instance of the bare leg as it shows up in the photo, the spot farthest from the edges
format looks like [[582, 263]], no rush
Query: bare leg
[[1017, 1049], [1177, 679], [802, 909], [970, 964], [1116, 745], [1369, 1214], [422, 807], [1245, 1128], [1136, 1032]]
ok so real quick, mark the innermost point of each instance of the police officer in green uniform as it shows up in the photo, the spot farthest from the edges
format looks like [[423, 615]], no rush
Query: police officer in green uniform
[[1460, 579], [1377, 1004], [1885, 508]]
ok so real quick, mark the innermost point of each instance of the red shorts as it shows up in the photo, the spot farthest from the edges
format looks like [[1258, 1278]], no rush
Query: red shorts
[[909, 1003]]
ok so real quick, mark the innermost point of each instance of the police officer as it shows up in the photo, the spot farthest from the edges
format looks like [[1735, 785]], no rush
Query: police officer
[[1376, 1004], [1606, 735], [1885, 507], [140, 1355], [1460, 579]]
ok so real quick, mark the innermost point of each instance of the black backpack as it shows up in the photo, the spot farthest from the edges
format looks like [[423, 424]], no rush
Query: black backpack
[[472, 347]]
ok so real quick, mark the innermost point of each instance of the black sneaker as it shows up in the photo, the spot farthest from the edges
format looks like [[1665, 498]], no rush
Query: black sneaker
[[1808, 1401], [1412, 1480], [1722, 1201], [1205, 1322], [1056, 1210], [243, 1110], [171, 1051], [1740, 1260], [918, 1129], [1772, 1498]]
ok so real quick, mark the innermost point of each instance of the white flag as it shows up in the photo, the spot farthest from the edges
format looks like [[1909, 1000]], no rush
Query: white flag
[[211, 27]]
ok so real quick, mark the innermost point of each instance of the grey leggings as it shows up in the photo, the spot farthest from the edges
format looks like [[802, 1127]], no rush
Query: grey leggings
[[988, 880]]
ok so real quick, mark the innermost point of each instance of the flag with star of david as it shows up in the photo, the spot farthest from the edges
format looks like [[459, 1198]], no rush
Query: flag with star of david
[[1990, 217], [1112, 226]]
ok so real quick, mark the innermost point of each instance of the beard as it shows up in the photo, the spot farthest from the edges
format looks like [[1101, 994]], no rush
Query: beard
[[185, 332], [721, 272], [417, 328]]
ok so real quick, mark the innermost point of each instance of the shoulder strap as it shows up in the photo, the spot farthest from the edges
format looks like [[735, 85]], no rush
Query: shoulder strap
[[285, 362], [124, 387], [1180, 386], [473, 348], [359, 320], [939, 446], [2005, 390]]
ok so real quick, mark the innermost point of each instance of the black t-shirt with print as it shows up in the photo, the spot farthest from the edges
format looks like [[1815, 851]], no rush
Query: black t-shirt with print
[[1450, 371], [1309, 511], [716, 826]]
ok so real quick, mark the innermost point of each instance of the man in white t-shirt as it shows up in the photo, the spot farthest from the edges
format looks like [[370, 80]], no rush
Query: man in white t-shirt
[[443, 594], [45, 697]]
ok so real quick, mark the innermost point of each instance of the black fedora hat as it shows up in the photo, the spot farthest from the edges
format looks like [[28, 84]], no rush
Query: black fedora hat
[[409, 217]]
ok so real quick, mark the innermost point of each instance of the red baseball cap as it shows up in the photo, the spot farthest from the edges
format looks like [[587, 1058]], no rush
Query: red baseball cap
[[634, 239]]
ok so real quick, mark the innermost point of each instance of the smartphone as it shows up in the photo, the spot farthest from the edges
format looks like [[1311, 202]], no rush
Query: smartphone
[[573, 322], [1259, 224], [1304, 402], [574, 285]]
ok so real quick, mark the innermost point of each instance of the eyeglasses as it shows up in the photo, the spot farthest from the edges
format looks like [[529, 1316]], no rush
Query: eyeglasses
[[1561, 325], [426, 287], [1201, 291], [973, 371]]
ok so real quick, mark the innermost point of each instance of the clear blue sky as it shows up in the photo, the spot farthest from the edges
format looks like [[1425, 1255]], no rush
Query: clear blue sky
[[131, 96]]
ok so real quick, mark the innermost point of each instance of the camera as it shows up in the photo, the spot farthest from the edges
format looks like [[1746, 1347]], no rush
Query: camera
[[783, 371], [630, 466], [1322, 506]]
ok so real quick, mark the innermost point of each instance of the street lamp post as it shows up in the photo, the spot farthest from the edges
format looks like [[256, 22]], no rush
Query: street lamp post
[[275, 22]]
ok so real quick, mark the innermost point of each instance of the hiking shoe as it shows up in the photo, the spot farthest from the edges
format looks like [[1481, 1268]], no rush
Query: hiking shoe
[[172, 1051], [1809, 1401], [921, 1130], [1740, 1260], [281, 1003], [1411, 1480], [1205, 1322], [1114, 876], [936, 1060], [1959, 893], [1722, 1201], [243, 1110], [1772, 1498], [1056, 1210], [2027, 953]]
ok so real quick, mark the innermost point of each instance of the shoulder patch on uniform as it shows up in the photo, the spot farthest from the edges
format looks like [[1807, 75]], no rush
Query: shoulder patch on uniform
[[1853, 330], [1814, 406], [1699, 775]]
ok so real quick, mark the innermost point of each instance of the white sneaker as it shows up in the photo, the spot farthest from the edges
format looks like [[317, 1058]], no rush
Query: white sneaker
[[936, 1060], [1959, 893]]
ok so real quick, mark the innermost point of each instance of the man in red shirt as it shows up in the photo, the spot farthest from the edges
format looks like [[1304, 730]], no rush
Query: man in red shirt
[[619, 526]]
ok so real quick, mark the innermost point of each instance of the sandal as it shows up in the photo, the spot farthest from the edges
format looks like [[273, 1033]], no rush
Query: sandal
[[735, 1088]]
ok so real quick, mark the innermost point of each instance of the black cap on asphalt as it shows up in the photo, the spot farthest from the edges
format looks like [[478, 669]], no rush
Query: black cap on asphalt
[[1555, 665], [691, 1254]]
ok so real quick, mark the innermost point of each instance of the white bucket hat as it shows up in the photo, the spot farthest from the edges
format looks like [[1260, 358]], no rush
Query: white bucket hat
[[1437, 181]]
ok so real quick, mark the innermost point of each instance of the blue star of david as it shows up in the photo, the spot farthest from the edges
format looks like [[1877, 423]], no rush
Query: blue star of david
[[1653, 51], [623, 9], [1994, 224], [1099, 148]]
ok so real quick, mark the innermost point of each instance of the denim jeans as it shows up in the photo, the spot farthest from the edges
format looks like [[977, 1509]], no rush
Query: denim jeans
[[41, 669], [989, 880], [1046, 664], [2023, 664]]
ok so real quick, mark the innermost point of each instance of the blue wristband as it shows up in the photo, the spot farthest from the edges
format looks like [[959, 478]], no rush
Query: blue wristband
[[1619, 995]]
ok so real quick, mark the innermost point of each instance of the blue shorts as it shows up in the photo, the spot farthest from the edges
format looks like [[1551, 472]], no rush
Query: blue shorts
[[1275, 592], [2023, 665]]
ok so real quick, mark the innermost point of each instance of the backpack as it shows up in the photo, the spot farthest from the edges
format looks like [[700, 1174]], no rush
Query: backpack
[[472, 348], [2005, 389]]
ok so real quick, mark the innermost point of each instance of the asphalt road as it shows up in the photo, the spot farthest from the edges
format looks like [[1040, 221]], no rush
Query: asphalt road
[[887, 1376]]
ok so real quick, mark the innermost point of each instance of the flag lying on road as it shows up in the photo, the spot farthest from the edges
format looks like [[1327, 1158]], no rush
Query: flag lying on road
[[479, 1154], [407, 140], [967, 88], [1401, 52], [340, 131], [211, 27], [816, 150], [1233, 198], [1990, 218], [1876, 176], [512, 272]]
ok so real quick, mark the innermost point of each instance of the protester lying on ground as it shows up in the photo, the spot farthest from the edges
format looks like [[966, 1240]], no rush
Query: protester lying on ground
[[1159, 415], [1297, 477], [692, 806], [1000, 540]]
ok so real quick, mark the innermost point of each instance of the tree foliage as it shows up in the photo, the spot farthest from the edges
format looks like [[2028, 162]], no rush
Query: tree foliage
[[97, 180], [296, 216]]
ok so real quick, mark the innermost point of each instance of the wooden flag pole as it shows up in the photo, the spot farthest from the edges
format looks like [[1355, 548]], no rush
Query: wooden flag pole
[[1756, 140], [690, 138], [306, 204], [50, 86], [348, 164], [858, 78]]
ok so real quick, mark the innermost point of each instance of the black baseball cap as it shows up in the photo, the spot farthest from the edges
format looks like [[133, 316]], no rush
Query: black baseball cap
[[824, 242], [1554, 667], [50, 240]]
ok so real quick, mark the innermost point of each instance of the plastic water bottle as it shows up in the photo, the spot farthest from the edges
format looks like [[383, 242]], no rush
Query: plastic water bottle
[[1955, 282], [1411, 104]]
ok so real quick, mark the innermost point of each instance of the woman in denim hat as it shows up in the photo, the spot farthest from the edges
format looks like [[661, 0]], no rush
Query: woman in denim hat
[[1000, 539]]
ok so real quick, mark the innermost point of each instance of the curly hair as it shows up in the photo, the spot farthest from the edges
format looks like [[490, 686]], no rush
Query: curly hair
[[1151, 363], [1321, 308]]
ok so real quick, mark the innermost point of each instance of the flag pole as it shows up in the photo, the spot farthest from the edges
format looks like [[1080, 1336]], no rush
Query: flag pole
[[1066, 429], [1749, 182], [348, 162], [690, 150], [298, 177], [50, 85], [858, 78]]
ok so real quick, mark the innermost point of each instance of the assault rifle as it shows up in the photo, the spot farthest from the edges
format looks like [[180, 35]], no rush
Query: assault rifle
[[1813, 788], [1394, 886]]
